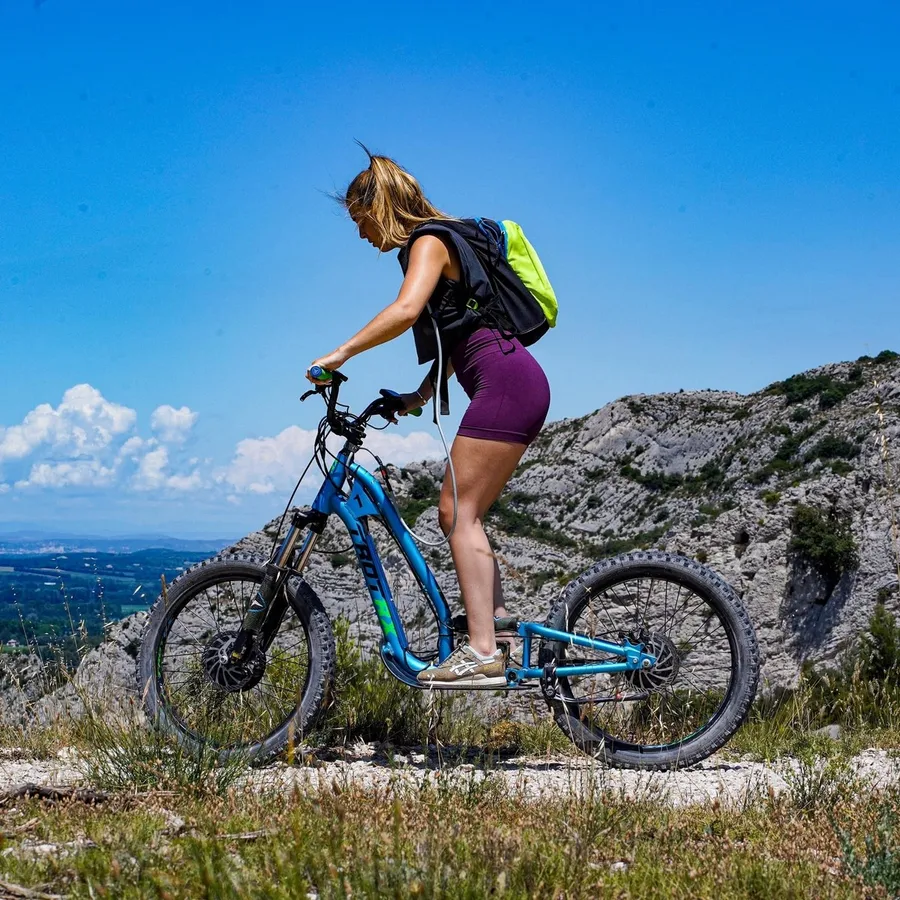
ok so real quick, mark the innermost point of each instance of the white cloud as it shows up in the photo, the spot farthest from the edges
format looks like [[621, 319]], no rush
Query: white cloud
[[80, 473], [132, 448], [150, 474], [261, 465], [404, 448], [84, 423], [172, 424], [89, 442], [191, 482], [264, 465]]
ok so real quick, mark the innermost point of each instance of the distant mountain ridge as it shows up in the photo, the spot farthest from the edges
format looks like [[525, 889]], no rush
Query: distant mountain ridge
[[26, 541]]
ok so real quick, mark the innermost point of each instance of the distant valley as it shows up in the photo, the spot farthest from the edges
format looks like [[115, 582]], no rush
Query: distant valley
[[64, 599]]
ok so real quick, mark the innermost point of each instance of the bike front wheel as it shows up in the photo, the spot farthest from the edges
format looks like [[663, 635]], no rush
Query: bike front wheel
[[693, 700], [192, 689]]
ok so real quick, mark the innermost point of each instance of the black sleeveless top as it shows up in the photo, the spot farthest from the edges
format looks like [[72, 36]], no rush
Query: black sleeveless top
[[453, 305]]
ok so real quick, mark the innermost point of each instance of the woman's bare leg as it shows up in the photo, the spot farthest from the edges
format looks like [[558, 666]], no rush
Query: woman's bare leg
[[482, 470]]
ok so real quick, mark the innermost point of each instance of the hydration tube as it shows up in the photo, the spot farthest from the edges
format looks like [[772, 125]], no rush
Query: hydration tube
[[437, 419]]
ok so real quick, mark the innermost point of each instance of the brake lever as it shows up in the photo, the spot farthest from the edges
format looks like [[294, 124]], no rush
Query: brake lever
[[318, 389], [393, 395]]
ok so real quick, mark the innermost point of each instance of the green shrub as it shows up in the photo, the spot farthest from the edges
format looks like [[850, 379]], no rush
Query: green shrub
[[800, 414], [513, 521], [826, 541], [771, 498], [827, 388], [879, 864], [423, 494], [655, 481], [711, 477], [864, 691], [340, 559], [123, 754], [370, 704], [614, 545], [833, 394], [783, 461], [833, 447]]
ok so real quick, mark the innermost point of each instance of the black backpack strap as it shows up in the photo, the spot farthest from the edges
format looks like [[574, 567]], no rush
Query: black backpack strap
[[439, 387], [474, 276]]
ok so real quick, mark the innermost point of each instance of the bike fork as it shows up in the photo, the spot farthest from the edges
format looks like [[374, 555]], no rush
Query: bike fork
[[267, 608]]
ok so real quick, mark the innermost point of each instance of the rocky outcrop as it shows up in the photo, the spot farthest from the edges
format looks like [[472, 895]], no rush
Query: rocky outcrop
[[715, 475]]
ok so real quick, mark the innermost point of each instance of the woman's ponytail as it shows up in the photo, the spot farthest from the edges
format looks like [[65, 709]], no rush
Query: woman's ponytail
[[391, 197]]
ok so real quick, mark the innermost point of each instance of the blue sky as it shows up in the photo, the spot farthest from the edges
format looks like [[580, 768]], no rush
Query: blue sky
[[714, 191]]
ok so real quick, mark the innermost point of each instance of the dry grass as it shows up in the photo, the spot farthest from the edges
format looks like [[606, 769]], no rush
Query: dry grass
[[449, 839]]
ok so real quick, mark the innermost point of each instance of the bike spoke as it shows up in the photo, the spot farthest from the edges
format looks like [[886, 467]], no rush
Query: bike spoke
[[679, 627], [224, 714]]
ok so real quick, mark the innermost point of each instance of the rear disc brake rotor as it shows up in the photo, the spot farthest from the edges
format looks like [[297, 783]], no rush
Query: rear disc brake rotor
[[666, 668]]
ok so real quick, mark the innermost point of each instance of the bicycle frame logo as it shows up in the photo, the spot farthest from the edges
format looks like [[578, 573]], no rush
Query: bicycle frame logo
[[372, 575]]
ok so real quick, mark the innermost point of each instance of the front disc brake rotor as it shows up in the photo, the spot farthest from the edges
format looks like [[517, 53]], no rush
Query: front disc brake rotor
[[225, 673]]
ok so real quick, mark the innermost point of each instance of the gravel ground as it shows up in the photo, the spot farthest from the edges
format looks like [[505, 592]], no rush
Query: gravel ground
[[728, 781]]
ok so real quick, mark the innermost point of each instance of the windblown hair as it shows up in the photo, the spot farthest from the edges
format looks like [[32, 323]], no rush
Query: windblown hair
[[392, 198]]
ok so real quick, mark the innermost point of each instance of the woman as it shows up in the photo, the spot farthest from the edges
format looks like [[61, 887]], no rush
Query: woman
[[507, 388]]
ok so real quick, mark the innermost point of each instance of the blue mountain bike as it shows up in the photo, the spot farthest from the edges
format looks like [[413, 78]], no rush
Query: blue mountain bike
[[647, 660]]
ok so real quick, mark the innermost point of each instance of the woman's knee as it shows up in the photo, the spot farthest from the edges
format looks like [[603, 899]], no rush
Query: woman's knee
[[445, 513], [466, 514]]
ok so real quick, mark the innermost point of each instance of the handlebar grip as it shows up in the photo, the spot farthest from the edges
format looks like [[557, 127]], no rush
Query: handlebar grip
[[317, 373], [415, 412]]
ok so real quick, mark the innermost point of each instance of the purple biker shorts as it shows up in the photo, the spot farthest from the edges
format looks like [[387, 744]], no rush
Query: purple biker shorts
[[509, 391]]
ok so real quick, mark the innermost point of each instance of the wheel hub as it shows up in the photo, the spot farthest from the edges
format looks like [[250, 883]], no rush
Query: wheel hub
[[225, 673], [666, 668]]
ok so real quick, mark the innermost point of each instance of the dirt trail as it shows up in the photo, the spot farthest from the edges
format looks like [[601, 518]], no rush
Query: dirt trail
[[728, 781]]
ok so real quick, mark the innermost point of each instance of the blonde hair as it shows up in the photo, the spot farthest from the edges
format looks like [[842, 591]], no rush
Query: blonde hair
[[392, 198]]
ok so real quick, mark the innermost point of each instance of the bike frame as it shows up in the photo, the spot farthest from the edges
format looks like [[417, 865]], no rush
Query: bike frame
[[367, 498]]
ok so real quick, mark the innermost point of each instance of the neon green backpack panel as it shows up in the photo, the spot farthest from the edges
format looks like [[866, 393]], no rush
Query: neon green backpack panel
[[527, 265]]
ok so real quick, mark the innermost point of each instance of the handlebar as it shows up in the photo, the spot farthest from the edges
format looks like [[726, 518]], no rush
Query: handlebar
[[346, 423]]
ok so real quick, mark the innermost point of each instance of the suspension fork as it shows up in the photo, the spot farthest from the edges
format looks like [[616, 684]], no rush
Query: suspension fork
[[263, 618]]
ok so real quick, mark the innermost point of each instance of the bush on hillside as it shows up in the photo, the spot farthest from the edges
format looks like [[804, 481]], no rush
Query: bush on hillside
[[824, 540]]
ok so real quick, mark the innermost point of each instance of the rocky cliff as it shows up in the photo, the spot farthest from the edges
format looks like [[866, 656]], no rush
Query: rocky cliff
[[790, 493]]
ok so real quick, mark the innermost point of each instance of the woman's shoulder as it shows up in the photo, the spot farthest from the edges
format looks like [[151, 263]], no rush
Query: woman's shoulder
[[429, 241]]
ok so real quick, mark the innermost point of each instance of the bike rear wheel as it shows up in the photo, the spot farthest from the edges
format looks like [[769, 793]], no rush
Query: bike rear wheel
[[698, 693], [193, 690]]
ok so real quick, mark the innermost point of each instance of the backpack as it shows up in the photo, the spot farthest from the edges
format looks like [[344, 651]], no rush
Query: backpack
[[512, 245], [504, 284]]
